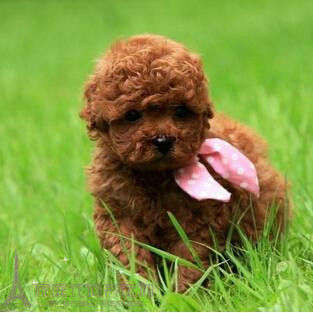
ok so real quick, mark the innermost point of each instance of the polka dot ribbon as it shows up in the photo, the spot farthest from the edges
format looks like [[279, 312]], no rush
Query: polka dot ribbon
[[225, 160]]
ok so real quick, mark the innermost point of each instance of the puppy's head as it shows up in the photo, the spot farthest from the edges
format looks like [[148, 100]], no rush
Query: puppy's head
[[148, 101]]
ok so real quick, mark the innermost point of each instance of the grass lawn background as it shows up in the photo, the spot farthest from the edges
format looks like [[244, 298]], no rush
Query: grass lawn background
[[258, 56]]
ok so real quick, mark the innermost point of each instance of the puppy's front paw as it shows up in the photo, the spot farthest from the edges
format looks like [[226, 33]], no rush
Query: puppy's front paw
[[186, 277]]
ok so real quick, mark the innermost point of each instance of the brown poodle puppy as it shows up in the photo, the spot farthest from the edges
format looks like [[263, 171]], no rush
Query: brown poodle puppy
[[149, 110]]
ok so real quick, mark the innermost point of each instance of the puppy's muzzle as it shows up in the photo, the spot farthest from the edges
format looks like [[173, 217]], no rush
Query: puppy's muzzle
[[163, 143]]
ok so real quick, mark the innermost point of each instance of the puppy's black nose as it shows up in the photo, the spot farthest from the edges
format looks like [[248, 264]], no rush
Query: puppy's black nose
[[163, 143]]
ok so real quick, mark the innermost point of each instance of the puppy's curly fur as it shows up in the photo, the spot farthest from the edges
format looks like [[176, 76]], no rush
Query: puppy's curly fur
[[153, 76]]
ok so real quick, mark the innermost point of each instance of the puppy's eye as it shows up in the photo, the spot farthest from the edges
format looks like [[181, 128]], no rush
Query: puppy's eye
[[182, 111], [132, 116]]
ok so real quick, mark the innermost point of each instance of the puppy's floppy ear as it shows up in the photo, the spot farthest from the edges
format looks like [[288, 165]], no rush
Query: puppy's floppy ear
[[209, 112], [95, 124]]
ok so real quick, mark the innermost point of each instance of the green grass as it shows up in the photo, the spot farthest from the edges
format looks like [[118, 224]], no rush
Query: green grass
[[258, 55]]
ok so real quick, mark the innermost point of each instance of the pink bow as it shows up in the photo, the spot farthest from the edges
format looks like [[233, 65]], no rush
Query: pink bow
[[227, 161]]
